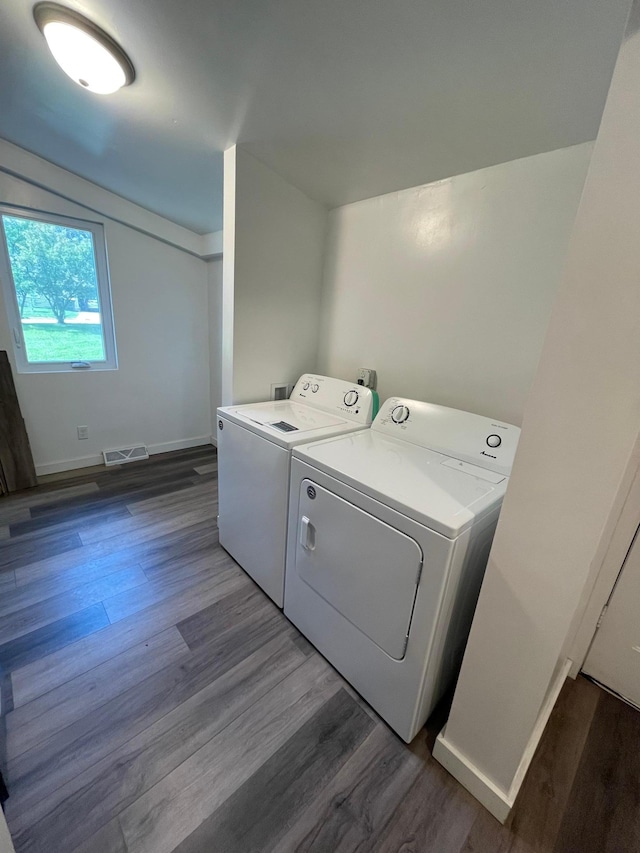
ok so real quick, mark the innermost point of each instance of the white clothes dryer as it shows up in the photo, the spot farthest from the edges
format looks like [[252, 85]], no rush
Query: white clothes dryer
[[254, 454], [389, 535]]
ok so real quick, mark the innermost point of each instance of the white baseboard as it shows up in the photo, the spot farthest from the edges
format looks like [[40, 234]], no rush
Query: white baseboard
[[69, 464], [492, 797], [471, 777], [96, 459], [6, 844], [181, 444]]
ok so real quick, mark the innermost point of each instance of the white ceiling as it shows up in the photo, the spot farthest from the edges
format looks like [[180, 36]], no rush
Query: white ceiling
[[345, 98]]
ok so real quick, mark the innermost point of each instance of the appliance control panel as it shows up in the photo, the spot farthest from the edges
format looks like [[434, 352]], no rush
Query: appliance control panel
[[460, 435], [353, 402]]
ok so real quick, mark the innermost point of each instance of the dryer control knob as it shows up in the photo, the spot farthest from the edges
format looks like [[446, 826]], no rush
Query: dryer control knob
[[494, 441], [305, 387], [351, 398], [400, 414], [315, 388]]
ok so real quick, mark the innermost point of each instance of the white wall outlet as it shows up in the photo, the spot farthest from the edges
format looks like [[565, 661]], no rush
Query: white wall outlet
[[366, 377], [83, 432]]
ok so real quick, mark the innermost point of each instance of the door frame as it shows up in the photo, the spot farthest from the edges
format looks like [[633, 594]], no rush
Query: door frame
[[617, 537]]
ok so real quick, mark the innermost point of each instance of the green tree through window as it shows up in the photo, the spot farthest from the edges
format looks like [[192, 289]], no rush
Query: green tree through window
[[56, 281], [51, 261]]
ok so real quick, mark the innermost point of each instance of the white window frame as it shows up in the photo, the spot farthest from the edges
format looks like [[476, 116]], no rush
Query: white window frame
[[23, 365]]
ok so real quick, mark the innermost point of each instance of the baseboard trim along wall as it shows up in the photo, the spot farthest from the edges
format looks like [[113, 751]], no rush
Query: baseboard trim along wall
[[96, 458], [6, 844], [493, 798], [470, 777]]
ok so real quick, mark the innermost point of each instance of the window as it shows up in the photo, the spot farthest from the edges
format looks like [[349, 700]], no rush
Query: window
[[56, 284]]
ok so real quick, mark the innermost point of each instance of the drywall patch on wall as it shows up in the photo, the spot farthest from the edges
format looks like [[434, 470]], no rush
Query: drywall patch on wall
[[446, 289]]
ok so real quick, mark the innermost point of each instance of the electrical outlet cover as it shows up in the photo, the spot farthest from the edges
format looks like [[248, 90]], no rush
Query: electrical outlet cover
[[366, 377]]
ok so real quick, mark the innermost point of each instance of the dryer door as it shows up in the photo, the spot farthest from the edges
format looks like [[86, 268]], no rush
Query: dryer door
[[365, 569]]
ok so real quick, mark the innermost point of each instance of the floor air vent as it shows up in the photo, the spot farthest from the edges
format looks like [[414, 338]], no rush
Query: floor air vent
[[125, 454]]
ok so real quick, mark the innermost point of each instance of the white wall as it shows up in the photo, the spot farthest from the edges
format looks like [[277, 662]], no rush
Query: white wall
[[228, 273], [6, 844], [215, 336], [276, 235], [160, 395], [580, 427], [446, 289], [41, 173]]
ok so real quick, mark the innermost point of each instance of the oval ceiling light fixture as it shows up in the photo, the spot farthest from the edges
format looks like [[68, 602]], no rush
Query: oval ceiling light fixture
[[84, 51]]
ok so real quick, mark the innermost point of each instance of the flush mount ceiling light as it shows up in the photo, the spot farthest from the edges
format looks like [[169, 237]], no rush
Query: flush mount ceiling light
[[84, 51]]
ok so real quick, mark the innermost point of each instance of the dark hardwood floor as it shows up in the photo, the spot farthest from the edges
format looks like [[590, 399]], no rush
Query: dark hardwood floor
[[155, 700]]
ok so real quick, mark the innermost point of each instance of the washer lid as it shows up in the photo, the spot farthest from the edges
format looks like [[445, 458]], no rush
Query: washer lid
[[286, 416], [285, 423], [418, 482]]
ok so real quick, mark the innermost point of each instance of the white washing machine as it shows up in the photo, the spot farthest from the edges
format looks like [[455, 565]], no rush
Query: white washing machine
[[389, 535], [254, 455]]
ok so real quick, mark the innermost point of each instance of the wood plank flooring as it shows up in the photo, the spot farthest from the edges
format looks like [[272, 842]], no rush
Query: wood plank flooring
[[155, 701]]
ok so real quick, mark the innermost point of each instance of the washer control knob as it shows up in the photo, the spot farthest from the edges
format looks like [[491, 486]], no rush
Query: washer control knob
[[494, 440], [400, 414], [315, 387], [351, 398], [305, 387]]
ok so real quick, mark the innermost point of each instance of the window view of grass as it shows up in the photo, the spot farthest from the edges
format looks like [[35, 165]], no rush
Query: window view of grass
[[63, 343], [54, 276]]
